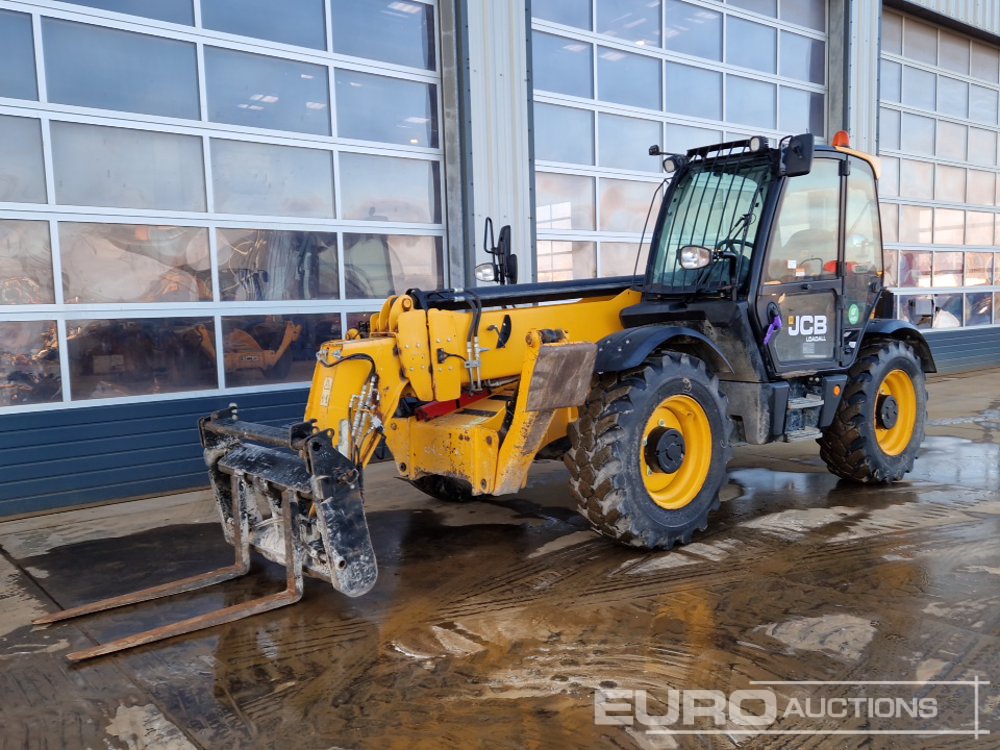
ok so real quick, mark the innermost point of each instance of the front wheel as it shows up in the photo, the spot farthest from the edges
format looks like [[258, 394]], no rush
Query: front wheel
[[880, 422], [649, 452]]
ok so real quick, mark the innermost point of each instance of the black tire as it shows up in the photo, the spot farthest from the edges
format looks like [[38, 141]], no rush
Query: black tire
[[448, 489], [850, 445], [606, 454]]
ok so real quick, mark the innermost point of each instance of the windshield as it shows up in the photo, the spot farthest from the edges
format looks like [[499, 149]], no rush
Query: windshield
[[716, 204]]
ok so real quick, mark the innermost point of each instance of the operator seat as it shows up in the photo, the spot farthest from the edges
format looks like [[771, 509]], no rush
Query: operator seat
[[806, 244]]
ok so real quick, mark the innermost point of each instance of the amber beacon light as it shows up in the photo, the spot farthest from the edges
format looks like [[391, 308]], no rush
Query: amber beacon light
[[842, 139]]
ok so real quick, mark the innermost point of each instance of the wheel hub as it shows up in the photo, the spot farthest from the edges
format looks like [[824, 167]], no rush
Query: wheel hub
[[666, 451], [887, 412]]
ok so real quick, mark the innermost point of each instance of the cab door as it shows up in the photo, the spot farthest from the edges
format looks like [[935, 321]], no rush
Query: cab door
[[800, 279]]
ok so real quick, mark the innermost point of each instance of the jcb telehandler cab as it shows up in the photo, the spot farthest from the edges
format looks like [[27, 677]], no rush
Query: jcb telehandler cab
[[754, 322]]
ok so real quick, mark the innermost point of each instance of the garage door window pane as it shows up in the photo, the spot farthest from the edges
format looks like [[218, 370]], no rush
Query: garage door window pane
[[17, 56], [810, 13], [629, 79], [619, 258], [985, 62], [802, 111], [29, 363], [751, 45], [559, 11], [765, 7], [395, 31], [562, 65], [381, 188], [390, 110], [953, 97], [134, 263], [916, 179], [22, 173], [175, 11], [90, 66], [983, 147], [750, 102], [693, 91], [949, 182], [266, 92], [983, 105], [259, 349], [978, 269], [982, 187], [552, 127], [630, 20], [918, 88], [915, 270], [891, 77], [267, 180], [954, 52], [272, 264], [625, 203], [915, 225], [947, 269], [949, 226], [564, 201], [803, 58], [379, 265], [100, 166], [298, 22], [918, 134], [693, 30], [25, 263], [625, 143], [978, 228], [564, 261], [140, 356], [951, 137], [920, 41], [978, 309], [680, 138]]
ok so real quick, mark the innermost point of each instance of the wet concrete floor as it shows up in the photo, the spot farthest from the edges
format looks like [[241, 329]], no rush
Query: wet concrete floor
[[500, 624]]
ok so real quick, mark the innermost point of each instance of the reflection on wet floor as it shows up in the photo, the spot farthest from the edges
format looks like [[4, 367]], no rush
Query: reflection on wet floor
[[494, 623]]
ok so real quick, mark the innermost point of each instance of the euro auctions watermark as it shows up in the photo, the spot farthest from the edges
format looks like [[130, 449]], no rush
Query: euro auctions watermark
[[802, 707]]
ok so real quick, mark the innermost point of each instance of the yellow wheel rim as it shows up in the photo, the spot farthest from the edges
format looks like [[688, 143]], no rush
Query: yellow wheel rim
[[675, 489], [894, 439]]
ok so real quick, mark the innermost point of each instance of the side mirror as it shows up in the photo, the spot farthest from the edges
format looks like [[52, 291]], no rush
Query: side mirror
[[503, 268], [797, 154], [693, 257]]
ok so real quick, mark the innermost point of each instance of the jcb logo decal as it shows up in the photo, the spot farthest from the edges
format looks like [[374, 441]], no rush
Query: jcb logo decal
[[807, 325]]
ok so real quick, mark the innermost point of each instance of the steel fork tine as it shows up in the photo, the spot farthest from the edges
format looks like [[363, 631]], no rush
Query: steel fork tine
[[291, 594], [240, 567]]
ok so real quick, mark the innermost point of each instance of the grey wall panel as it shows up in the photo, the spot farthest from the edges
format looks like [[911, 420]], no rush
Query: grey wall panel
[[979, 14], [57, 459], [965, 349]]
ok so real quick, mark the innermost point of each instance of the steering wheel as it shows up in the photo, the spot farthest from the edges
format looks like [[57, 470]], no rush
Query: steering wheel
[[734, 244]]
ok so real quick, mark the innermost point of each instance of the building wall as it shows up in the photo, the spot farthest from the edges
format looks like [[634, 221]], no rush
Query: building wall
[[188, 184], [938, 139], [194, 187], [615, 77]]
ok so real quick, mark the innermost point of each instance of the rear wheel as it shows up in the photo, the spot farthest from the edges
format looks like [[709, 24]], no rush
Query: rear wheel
[[444, 488], [649, 452], [880, 422]]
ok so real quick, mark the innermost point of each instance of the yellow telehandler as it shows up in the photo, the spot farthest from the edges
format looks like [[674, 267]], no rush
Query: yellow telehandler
[[756, 321]]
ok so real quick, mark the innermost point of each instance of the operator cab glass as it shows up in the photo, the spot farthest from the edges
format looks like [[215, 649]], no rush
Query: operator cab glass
[[716, 204]]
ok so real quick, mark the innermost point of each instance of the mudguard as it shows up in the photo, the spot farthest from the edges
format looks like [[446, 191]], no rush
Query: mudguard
[[907, 332], [627, 349]]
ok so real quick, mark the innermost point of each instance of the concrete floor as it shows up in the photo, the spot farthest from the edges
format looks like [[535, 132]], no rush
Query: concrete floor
[[495, 624]]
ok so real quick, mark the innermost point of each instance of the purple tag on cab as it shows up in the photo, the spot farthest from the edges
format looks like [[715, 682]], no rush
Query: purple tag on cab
[[773, 329]]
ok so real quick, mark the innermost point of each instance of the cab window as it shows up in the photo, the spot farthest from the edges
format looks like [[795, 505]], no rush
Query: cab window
[[862, 235], [804, 245]]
